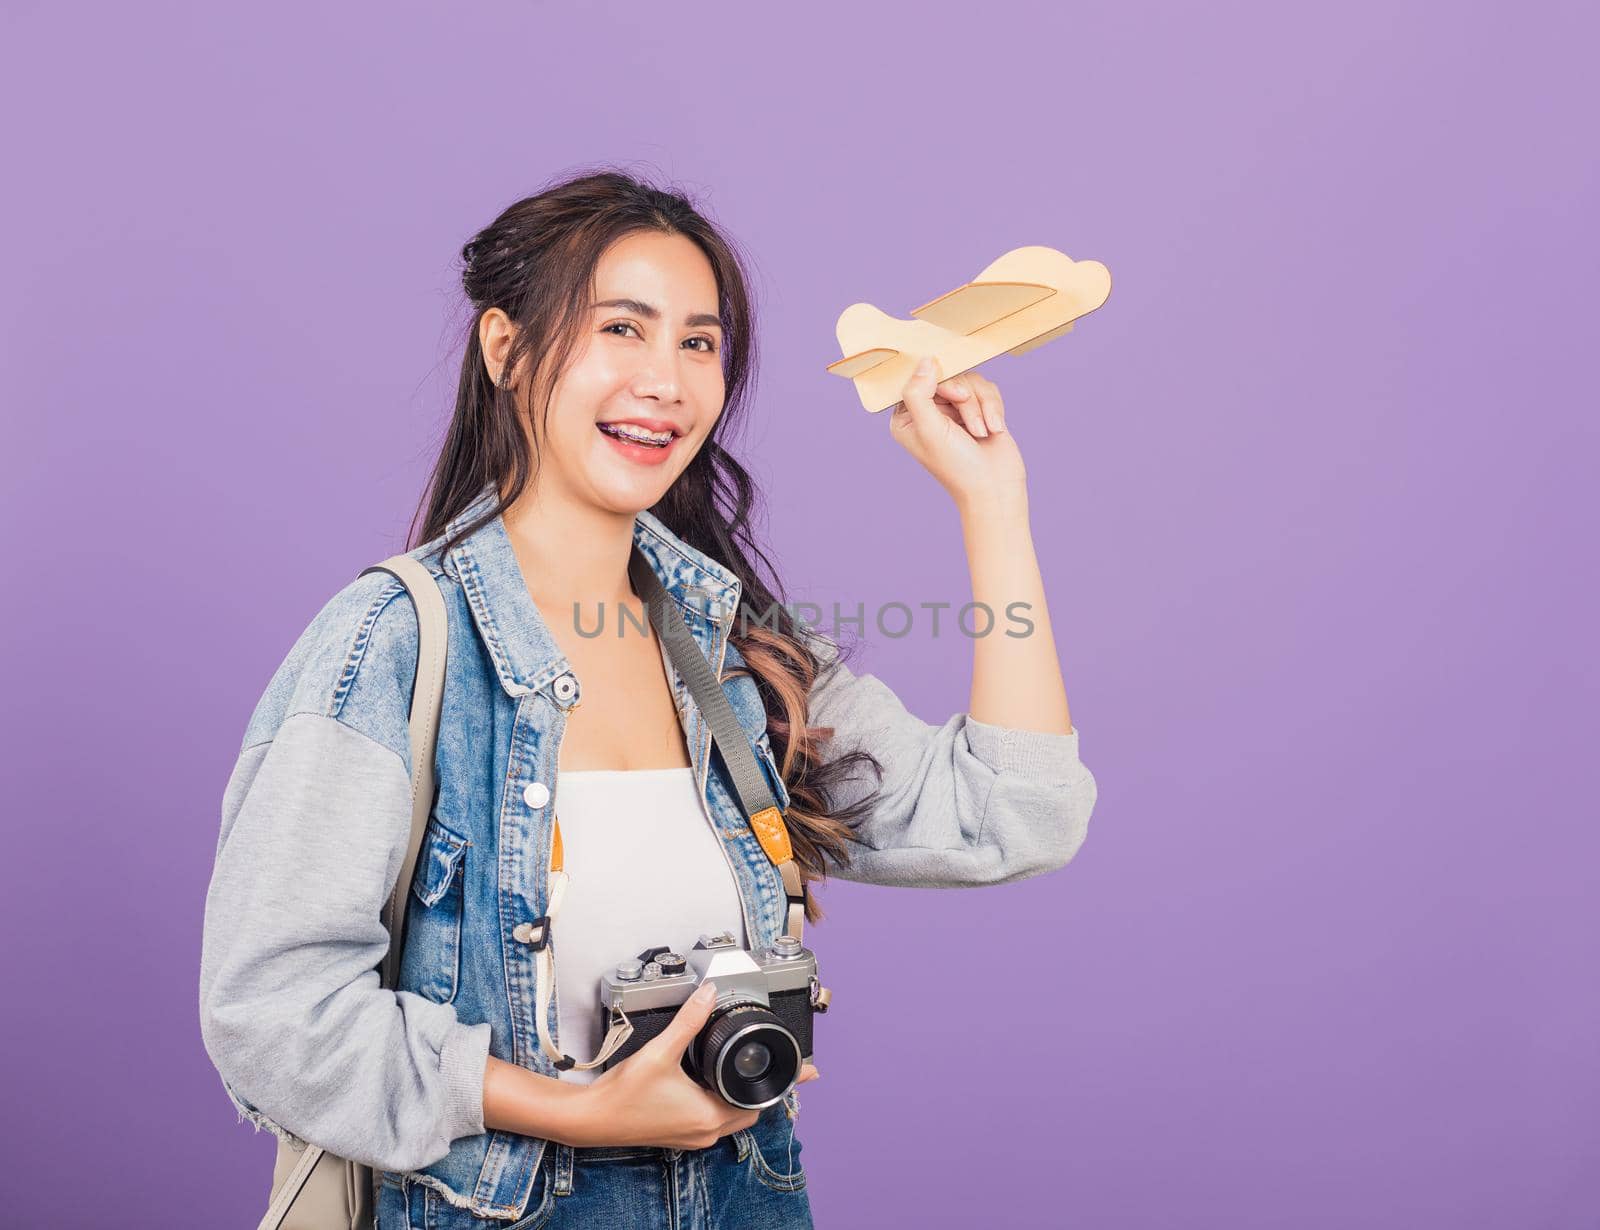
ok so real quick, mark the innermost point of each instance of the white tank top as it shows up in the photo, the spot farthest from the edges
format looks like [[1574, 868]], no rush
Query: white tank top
[[644, 868]]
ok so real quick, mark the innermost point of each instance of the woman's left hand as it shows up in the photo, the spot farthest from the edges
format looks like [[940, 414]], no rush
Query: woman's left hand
[[956, 429]]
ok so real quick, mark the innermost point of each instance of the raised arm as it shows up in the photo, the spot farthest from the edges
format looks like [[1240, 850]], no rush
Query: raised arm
[[957, 431], [1016, 673], [997, 793]]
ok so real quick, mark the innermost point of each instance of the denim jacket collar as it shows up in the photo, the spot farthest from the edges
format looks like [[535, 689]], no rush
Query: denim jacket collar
[[525, 654]]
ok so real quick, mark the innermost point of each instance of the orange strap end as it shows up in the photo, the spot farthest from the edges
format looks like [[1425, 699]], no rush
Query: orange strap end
[[773, 834]]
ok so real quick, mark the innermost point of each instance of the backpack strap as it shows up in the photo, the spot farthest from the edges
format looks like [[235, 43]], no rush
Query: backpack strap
[[427, 700]]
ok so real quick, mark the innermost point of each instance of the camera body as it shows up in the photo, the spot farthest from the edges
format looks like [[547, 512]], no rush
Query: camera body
[[760, 1030]]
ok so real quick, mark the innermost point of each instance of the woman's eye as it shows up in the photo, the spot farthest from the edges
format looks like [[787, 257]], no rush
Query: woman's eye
[[710, 346]]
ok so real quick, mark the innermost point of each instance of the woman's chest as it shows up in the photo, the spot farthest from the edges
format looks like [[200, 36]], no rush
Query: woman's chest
[[627, 718]]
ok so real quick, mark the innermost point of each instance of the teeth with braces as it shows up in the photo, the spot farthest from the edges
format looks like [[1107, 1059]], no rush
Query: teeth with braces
[[637, 433]]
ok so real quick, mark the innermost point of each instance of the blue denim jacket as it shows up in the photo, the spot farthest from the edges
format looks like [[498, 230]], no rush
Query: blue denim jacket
[[317, 813]]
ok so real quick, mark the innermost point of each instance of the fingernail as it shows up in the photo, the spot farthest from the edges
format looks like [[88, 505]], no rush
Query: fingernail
[[959, 389], [924, 367], [707, 991]]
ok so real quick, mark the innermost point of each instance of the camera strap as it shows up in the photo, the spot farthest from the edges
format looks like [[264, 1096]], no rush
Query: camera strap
[[749, 780], [749, 783]]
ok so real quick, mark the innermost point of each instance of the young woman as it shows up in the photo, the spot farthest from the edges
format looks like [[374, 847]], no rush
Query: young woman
[[611, 352]]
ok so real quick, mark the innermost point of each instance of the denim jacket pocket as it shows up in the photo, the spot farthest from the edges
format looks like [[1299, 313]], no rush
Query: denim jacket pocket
[[432, 958], [769, 765]]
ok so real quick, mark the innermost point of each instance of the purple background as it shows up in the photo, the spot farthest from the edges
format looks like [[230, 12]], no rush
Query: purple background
[[1309, 493]]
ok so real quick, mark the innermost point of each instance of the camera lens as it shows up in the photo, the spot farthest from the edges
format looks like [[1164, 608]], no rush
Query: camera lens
[[746, 1054], [751, 1060]]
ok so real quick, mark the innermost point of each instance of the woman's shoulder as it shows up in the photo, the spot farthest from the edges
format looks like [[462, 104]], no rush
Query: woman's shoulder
[[354, 662]]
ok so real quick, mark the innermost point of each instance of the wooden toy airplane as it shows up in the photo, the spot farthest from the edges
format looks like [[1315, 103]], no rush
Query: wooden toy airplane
[[1023, 300]]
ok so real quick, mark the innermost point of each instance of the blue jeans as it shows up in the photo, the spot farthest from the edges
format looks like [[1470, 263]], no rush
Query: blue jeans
[[751, 1178]]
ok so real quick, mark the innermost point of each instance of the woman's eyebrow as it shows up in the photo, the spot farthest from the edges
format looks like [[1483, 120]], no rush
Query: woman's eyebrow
[[651, 312]]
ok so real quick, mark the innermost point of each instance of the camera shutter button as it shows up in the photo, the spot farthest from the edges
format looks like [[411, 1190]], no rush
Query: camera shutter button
[[630, 971]]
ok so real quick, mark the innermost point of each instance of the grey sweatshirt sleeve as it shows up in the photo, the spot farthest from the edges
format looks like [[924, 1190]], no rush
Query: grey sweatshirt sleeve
[[314, 830], [963, 802]]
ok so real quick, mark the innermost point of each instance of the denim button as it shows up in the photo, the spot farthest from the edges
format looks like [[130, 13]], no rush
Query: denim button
[[536, 795], [565, 687]]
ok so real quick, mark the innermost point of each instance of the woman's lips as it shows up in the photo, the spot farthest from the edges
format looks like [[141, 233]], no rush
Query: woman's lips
[[642, 454]]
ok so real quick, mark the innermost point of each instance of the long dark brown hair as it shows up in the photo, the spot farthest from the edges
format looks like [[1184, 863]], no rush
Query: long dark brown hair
[[536, 262]]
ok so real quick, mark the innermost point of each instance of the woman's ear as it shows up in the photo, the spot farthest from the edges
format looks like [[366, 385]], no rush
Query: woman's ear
[[495, 335]]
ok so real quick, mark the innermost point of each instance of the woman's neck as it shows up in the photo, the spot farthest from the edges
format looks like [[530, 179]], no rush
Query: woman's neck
[[572, 553]]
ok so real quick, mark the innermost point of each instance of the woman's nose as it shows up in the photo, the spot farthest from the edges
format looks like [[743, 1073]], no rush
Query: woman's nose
[[658, 376]]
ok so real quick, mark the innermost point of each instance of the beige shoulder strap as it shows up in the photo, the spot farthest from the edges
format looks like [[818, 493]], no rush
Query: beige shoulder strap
[[427, 701]]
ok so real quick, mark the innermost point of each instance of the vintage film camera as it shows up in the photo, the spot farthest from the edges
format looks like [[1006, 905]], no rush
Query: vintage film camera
[[759, 1033]]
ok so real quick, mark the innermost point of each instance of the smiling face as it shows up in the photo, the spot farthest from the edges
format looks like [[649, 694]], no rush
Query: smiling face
[[648, 361]]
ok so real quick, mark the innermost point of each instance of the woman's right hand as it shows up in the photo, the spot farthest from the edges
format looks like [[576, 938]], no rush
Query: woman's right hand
[[648, 1099]]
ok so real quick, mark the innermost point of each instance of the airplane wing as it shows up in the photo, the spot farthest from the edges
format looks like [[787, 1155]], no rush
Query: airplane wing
[[1041, 339], [966, 309], [854, 365]]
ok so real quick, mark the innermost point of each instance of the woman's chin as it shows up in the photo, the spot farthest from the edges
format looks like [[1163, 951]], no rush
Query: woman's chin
[[629, 495], [625, 483]]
